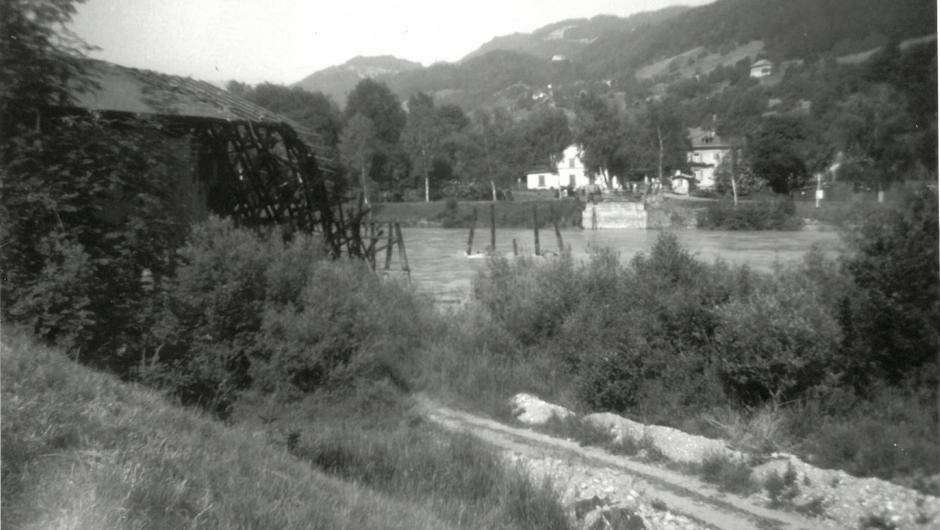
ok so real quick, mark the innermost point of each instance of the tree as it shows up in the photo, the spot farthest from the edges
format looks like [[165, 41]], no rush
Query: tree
[[547, 134], [666, 136], [876, 135], [600, 134], [314, 110], [784, 151], [357, 148], [375, 101], [422, 136], [43, 62]]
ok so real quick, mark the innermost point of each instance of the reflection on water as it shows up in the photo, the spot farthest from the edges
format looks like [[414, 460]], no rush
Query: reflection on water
[[440, 267]]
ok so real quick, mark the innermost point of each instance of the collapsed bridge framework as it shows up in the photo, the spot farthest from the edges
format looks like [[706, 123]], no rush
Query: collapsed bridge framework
[[248, 163]]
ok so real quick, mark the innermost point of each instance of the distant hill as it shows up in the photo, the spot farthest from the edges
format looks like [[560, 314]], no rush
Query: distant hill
[[568, 37], [336, 81], [612, 50]]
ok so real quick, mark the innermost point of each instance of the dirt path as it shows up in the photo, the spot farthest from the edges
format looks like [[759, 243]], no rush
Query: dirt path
[[663, 498]]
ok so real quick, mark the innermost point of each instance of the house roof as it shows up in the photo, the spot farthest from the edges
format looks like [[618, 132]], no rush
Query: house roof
[[707, 139], [129, 90], [761, 63]]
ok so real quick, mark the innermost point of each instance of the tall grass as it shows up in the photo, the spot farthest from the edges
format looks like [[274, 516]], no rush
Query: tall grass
[[83, 450]]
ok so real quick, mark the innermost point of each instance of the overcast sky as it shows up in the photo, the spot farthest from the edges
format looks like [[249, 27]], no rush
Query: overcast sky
[[283, 41]]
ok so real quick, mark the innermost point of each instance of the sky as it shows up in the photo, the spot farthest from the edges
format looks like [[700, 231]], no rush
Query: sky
[[283, 41]]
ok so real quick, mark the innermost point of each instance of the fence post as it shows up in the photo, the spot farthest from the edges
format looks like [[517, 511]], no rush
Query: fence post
[[472, 228], [493, 227], [535, 226]]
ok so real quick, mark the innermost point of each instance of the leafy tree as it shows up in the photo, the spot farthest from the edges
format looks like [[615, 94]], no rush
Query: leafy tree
[[43, 62], [665, 136], [783, 151], [358, 147], [600, 134], [547, 134], [422, 136], [375, 101], [876, 134], [894, 329], [314, 110]]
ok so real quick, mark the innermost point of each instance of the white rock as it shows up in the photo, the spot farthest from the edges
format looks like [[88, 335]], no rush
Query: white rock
[[533, 411]]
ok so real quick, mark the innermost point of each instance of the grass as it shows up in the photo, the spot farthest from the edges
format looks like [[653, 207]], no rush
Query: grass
[[733, 476], [82, 449]]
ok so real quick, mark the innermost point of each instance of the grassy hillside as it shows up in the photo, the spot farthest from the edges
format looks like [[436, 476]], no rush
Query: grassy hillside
[[83, 450]]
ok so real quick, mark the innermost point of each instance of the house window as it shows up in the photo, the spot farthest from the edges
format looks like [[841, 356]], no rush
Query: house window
[[571, 162], [695, 156], [717, 157], [541, 181]]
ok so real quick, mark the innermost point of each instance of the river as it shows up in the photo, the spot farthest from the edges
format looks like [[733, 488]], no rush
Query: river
[[440, 267]]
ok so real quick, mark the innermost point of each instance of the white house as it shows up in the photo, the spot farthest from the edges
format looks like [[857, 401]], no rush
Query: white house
[[569, 172], [708, 150], [762, 68]]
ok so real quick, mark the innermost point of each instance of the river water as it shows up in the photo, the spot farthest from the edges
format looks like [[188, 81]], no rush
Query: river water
[[440, 266]]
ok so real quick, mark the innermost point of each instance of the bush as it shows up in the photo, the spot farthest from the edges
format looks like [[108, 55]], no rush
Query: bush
[[249, 310], [750, 215], [528, 296], [729, 475], [777, 344], [894, 324], [88, 206]]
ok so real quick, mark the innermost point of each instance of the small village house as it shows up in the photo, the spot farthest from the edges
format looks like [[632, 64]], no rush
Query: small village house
[[708, 151], [570, 172], [762, 68]]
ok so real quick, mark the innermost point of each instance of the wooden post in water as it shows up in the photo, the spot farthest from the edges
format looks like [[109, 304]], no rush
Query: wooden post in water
[[593, 218], [373, 241], [402, 255], [388, 248], [493, 227], [515, 249], [472, 227], [535, 226], [561, 246]]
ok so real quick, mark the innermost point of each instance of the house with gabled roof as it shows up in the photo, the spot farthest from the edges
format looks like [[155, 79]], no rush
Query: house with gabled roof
[[762, 68], [708, 151], [569, 172]]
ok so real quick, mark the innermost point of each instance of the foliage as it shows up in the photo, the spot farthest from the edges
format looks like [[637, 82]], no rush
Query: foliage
[[358, 146], [729, 475], [314, 110], [749, 215], [783, 151], [88, 206], [42, 61], [893, 325], [374, 100]]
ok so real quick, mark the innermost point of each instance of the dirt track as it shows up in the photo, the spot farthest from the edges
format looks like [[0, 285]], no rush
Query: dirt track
[[584, 472]]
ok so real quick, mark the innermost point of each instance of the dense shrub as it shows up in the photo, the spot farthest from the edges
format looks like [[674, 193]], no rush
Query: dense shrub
[[88, 205], [750, 215], [249, 310], [778, 343], [530, 296], [894, 325]]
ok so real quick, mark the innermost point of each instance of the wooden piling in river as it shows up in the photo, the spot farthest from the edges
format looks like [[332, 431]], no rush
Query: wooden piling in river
[[561, 245], [402, 255], [515, 249], [388, 247], [472, 228]]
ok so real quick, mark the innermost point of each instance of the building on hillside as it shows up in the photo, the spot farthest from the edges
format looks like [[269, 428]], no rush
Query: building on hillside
[[762, 68], [570, 172], [708, 151]]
